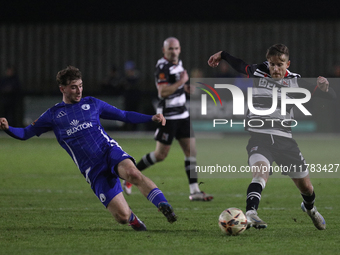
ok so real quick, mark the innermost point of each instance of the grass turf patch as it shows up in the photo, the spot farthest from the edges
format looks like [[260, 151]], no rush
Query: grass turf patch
[[48, 208]]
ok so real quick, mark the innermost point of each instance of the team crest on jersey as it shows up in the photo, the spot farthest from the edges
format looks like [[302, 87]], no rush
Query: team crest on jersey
[[285, 82], [85, 107]]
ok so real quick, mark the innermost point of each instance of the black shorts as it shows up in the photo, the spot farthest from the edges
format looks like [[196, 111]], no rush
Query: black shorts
[[283, 151], [178, 129]]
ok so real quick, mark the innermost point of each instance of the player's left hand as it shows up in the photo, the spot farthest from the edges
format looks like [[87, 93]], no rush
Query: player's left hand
[[159, 118], [323, 83]]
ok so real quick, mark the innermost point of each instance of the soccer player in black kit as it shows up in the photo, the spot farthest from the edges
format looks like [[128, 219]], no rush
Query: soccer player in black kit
[[273, 141], [170, 78]]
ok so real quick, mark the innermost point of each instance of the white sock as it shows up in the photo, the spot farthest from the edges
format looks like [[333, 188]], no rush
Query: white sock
[[251, 212], [194, 188]]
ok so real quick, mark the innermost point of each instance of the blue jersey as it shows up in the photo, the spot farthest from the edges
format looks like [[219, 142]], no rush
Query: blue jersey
[[78, 129]]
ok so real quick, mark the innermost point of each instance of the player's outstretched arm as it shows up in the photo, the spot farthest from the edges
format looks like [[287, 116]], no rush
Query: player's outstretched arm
[[237, 64], [18, 133], [322, 88], [215, 59], [4, 124], [159, 118]]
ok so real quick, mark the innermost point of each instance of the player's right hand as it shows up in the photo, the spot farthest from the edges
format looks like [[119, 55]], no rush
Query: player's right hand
[[3, 124], [323, 83], [184, 77], [159, 118], [215, 59]]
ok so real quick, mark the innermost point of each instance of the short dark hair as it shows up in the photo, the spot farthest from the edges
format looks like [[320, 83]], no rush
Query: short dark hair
[[70, 73], [277, 50]]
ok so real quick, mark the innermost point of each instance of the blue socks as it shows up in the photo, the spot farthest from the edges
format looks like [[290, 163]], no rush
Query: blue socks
[[132, 216], [156, 196]]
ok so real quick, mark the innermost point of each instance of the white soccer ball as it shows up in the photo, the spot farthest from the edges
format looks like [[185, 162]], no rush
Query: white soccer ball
[[232, 221]]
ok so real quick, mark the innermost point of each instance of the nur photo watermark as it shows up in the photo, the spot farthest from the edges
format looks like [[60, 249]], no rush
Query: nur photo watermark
[[225, 112]]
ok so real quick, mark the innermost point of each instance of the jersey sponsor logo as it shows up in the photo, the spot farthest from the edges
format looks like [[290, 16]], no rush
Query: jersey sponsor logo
[[161, 76], [74, 122], [270, 85], [78, 127], [61, 114], [85, 107]]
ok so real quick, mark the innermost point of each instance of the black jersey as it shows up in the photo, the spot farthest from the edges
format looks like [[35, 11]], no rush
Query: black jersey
[[274, 123], [172, 107]]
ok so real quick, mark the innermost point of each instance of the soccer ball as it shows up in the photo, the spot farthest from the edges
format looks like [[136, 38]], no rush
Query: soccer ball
[[232, 221]]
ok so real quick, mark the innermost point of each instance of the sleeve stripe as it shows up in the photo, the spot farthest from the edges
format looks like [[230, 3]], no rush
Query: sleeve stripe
[[316, 87], [246, 69]]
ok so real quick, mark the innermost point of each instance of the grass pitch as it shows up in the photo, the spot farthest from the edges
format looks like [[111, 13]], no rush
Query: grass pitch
[[46, 206]]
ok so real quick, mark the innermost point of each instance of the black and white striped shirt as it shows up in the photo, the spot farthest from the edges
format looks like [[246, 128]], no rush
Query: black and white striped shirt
[[262, 97], [172, 107]]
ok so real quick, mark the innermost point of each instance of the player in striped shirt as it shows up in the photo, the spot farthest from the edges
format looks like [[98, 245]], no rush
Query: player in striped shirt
[[170, 78], [271, 141], [76, 124]]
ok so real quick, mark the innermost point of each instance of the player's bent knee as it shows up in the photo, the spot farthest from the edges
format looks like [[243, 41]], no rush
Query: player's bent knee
[[135, 176], [119, 209], [122, 218], [160, 156], [304, 185], [258, 159], [260, 167]]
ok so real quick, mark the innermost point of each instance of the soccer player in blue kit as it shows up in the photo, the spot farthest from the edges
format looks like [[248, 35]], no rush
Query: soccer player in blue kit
[[101, 160]]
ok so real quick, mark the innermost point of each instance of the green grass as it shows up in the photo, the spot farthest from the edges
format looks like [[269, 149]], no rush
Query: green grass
[[46, 206]]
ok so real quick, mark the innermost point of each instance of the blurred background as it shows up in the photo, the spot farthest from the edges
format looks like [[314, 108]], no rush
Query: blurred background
[[116, 45]]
